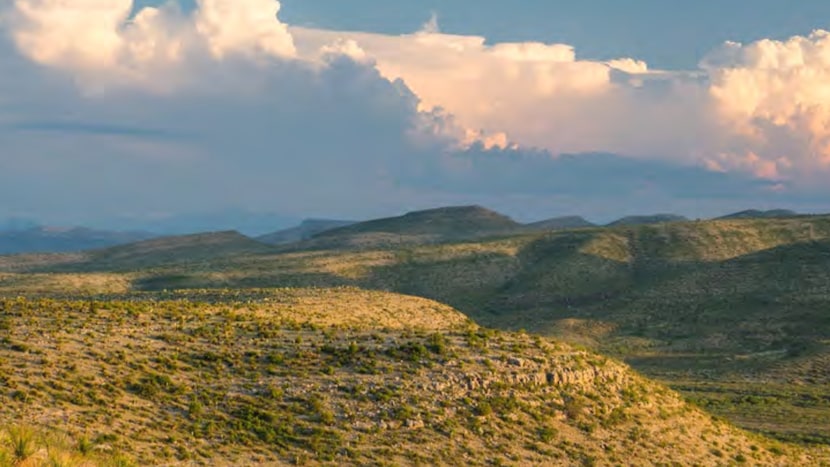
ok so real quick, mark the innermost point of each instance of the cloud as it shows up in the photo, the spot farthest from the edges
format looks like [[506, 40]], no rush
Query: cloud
[[539, 95], [243, 26], [227, 106], [760, 109], [773, 97], [102, 45]]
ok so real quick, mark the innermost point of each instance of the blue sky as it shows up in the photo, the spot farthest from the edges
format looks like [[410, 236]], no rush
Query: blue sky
[[666, 33], [339, 109]]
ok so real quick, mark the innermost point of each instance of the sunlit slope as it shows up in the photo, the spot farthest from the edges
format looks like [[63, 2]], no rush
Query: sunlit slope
[[341, 377]]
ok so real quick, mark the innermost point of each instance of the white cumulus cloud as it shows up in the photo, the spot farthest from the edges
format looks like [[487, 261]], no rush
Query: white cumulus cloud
[[773, 97], [162, 49], [761, 108]]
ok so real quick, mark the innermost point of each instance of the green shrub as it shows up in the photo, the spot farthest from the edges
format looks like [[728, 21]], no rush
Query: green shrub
[[22, 442]]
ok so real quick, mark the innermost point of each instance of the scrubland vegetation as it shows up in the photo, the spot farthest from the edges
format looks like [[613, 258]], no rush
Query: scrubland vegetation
[[180, 350], [331, 377]]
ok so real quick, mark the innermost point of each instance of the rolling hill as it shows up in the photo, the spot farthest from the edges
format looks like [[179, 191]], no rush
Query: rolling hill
[[646, 220], [307, 229], [336, 377], [757, 214], [561, 223], [419, 227], [721, 310], [175, 251], [179, 249]]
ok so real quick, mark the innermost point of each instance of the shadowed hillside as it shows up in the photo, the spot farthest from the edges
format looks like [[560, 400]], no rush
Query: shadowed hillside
[[420, 227], [343, 377], [307, 229], [560, 223], [756, 214], [171, 250], [645, 220]]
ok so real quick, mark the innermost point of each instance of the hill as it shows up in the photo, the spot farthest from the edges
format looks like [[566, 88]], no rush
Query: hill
[[756, 214], [685, 302], [448, 221], [646, 220], [430, 226], [721, 310], [172, 250], [307, 229], [298, 376], [561, 223], [56, 240]]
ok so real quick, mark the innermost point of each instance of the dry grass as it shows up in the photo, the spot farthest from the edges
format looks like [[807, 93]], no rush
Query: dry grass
[[26, 446]]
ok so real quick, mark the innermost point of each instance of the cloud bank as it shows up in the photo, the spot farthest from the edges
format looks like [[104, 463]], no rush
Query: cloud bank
[[760, 108], [226, 105]]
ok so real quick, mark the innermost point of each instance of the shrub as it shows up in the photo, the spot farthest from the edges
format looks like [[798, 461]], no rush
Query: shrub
[[22, 441], [547, 434]]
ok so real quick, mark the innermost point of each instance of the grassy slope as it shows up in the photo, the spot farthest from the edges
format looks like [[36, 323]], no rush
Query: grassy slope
[[339, 377]]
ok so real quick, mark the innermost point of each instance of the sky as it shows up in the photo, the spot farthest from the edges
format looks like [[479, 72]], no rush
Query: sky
[[239, 112]]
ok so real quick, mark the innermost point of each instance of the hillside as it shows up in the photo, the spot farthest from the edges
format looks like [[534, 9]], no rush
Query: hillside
[[172, 250], [756, 214], [685, 302], [306, 376], [307, 229], [722, 310], [560, 223], [55, 240], [646, 220], [419, 227]]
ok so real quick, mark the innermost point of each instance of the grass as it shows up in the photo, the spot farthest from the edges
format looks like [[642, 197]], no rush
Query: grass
[[22, 445]]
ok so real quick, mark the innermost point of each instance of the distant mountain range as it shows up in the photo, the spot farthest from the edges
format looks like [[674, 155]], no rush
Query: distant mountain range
[[20, 235], [247, 222], [55, 240]]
